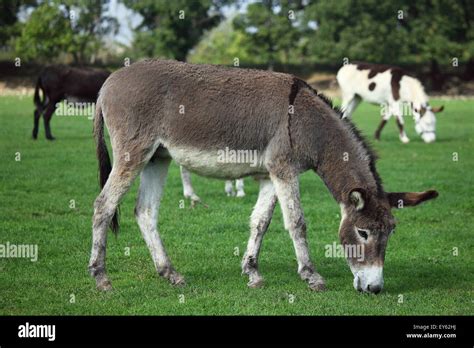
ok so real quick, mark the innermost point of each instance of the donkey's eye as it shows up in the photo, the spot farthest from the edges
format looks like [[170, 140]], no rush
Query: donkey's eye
[[363, 233]]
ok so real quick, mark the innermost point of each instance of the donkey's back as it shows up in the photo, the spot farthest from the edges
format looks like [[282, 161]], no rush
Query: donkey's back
[[202, 106]]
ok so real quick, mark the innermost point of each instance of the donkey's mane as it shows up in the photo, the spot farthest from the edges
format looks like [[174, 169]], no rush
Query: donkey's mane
[[357, 134]]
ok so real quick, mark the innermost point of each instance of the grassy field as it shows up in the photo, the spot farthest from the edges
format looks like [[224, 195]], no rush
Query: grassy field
[[422, 276]]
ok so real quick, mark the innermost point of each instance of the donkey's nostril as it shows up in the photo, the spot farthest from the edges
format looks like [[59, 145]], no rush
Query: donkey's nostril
[[374, 288]]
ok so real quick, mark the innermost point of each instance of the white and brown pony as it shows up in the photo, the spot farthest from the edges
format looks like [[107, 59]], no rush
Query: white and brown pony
[[391, 87]]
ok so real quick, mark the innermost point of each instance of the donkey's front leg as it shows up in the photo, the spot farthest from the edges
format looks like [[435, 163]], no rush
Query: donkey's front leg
[[259, 221], [288, 194]]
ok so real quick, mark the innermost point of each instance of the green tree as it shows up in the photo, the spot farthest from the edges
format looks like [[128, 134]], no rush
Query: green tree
[[222, 45], [68, 26], [272, 28], [171, 28], [9, 25], [392, 31], [441, 31], [366, 30]]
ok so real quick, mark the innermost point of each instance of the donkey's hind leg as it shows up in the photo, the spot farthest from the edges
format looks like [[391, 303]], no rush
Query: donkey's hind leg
[[259, 221], [152, 181], [105, 206], [239, 186], [229, 188], [289, 197]]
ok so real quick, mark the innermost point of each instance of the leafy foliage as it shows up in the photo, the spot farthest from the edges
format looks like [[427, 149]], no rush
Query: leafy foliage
[[171, 28], [271, 28], [222, 45], [399, 31], [67, 26], [9, 25]]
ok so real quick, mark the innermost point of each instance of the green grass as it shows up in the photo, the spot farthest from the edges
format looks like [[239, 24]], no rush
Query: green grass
[[34, 206]]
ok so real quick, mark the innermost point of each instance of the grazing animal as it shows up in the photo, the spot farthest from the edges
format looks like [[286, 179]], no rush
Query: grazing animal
[[393, 88], [239, 188], [291, 127], [188, 190], [60, 82]]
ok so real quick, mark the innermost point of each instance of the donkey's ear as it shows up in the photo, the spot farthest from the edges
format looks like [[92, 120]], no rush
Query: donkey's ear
[[409, 199], [357, 198], [438, 109]]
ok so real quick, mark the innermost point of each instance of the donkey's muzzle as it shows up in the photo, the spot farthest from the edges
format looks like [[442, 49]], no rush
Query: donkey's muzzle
[[375, 289], [369, 279]]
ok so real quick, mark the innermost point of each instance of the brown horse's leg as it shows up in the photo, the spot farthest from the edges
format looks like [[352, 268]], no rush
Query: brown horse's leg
[[47, 118], [36, 122]]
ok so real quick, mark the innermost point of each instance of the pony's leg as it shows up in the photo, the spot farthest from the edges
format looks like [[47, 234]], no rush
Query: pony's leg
[[152, 181], [259, 221], [386, 114], [229, 189], [349, 104], [400, 123], [239, 186], [105, 206], [287, 191], [48, 114], [188, 190]]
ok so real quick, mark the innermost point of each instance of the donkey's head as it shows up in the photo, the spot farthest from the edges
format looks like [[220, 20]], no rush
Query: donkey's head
[[366, 225], [425, 122]]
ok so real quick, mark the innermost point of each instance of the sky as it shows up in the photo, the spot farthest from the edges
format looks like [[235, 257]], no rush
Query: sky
[[127, 20]]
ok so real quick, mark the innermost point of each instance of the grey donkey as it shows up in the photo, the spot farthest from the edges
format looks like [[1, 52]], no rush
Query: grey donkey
[[158, 110]]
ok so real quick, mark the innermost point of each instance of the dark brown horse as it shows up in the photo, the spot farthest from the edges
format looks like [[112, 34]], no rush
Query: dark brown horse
[[62, 82]]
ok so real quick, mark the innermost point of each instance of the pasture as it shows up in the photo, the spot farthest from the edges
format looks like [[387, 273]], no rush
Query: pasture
[[46, 198]]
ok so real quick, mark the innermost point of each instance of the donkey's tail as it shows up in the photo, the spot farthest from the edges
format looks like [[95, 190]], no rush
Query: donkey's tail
[[38, 102], [103, 157]]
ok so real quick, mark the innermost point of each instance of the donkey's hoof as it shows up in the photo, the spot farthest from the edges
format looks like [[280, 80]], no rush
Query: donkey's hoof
[[319, 287], [104, 285], [317, 283], [255, 283], [177, 279], [195, 200], [51, 138], [240, 194]]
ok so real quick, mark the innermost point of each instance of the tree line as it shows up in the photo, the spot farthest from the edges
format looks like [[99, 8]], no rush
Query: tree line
[[435, 33]]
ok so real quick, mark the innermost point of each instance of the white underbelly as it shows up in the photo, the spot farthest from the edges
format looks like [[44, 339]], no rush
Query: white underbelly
[[223, 164]]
